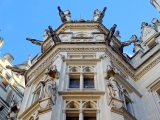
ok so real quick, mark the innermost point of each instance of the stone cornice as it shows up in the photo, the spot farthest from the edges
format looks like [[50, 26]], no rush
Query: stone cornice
[[81, 93], [146, 67]]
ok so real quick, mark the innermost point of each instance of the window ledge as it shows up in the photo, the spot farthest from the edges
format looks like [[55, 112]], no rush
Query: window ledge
[[89, 89]]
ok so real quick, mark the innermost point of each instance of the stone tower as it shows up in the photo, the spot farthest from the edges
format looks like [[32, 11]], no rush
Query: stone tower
[[83, 74]]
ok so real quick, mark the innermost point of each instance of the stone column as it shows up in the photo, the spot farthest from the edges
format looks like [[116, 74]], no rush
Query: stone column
[[95, 81], [81, 115], [98, 115], [64, 115], [81, 82], [67, 82]]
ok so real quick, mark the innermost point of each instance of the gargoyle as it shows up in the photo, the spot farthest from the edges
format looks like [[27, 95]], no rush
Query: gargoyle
[[34, 41], [102, 15], [16, 69], [62, 15], [54, 36], [127, 43], [110, 34]]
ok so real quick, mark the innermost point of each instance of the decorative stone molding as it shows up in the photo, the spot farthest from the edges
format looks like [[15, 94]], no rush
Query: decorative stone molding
[[146, 69]]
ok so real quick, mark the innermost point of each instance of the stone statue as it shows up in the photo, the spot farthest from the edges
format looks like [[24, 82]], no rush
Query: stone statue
[[113, 88], [62, 15], [14, 109], [67, 15], [101, 15], [53, 35], [117, 35], [48, 90], [34, 41], [96, 15], [126, 43], [138, 46], [110, 34], [16, 69]]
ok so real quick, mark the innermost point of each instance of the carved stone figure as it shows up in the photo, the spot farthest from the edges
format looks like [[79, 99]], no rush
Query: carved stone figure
[[34, 41], [138, 46], [54, 36], [117, 35], [48, 90], [101, 15], [96, 15], [65, 16], [110, 34], [113, 88], [16, 69], [127, 43]]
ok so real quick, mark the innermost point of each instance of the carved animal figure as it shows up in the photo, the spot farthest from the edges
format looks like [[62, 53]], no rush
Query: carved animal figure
[[102, 15], [16, 69], [62, 15], [54, 36], [127, 43], [34, 41], [110, 34]]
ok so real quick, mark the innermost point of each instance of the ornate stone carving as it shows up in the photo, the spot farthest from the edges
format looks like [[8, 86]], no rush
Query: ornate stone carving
[[54, 36], [16, 69], [117, 35], [34, 41], [156, 23], [127, 43], [101, 15], [65, 16], [14, 109], [96, 14], [52, 71], [113, 88], [49, 90], [110, 34]]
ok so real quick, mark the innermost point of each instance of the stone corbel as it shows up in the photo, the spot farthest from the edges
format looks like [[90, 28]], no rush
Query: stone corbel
[[52, 72], [114, 102], [46, 103], [111, 71]]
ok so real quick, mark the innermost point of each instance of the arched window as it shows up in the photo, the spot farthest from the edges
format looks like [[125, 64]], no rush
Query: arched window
[[72, 104], [90, 104]]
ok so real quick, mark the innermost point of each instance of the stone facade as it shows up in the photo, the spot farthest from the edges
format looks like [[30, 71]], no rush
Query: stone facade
[[83, 74]]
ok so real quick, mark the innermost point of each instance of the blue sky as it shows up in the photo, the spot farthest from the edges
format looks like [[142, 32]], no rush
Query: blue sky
[[28, 18]]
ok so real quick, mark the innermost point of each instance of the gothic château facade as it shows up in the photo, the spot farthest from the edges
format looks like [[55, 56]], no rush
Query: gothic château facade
[[83, 74]]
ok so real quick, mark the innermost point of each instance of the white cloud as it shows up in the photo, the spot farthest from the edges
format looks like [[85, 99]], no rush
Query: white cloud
[[128, 53]]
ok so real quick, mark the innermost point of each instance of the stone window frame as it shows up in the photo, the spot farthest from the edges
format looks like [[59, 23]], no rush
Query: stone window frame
[[81, 71], [153, 88], [2, 83], [80, 109]]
